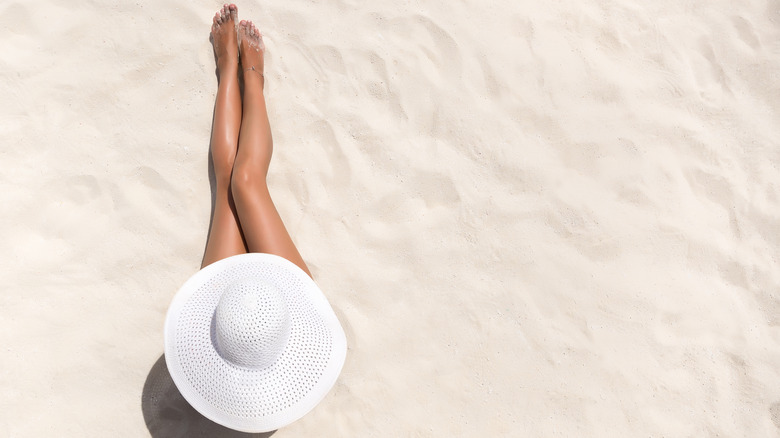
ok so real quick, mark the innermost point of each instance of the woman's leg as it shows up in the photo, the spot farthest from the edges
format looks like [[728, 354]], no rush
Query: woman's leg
[[260, 221], [225, 237]]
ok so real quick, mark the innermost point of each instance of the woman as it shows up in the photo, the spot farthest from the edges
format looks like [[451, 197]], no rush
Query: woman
[[250, 340], [245, 218]]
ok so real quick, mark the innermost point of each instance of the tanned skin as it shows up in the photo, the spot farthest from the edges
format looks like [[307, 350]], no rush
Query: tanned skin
[[245, 218]]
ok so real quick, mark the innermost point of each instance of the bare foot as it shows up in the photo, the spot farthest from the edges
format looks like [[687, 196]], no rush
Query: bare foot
[[252, 49], [223, 35]]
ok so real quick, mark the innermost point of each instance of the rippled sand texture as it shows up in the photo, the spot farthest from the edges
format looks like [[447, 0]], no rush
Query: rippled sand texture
[[533, 219]]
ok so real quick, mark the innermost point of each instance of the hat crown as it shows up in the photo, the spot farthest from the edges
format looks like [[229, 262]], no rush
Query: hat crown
[[252, 324]]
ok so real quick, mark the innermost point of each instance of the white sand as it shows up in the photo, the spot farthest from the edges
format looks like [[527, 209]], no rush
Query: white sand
[[533, 219]]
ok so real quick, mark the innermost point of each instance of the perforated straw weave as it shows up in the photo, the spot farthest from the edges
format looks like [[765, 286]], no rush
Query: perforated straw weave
[[252, 343]]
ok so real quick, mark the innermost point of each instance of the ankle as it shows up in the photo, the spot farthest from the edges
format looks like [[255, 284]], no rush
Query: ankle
[[227, 68], [252, 75], [254, 69]]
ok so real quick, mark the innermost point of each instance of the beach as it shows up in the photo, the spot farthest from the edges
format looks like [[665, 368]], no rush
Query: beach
[[531, 219]]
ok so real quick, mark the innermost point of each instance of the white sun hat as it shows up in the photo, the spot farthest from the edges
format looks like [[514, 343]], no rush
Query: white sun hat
[[252, 343]]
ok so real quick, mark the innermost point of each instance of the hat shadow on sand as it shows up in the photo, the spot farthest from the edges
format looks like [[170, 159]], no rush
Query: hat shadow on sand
[[168, 415]]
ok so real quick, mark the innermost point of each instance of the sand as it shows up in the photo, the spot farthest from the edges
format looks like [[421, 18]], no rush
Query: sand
[[533, 219]]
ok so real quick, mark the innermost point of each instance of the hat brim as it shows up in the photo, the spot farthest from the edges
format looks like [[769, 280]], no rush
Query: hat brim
[[252, 400]]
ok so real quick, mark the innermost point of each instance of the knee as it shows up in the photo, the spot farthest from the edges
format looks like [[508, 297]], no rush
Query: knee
[[245, 181]]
